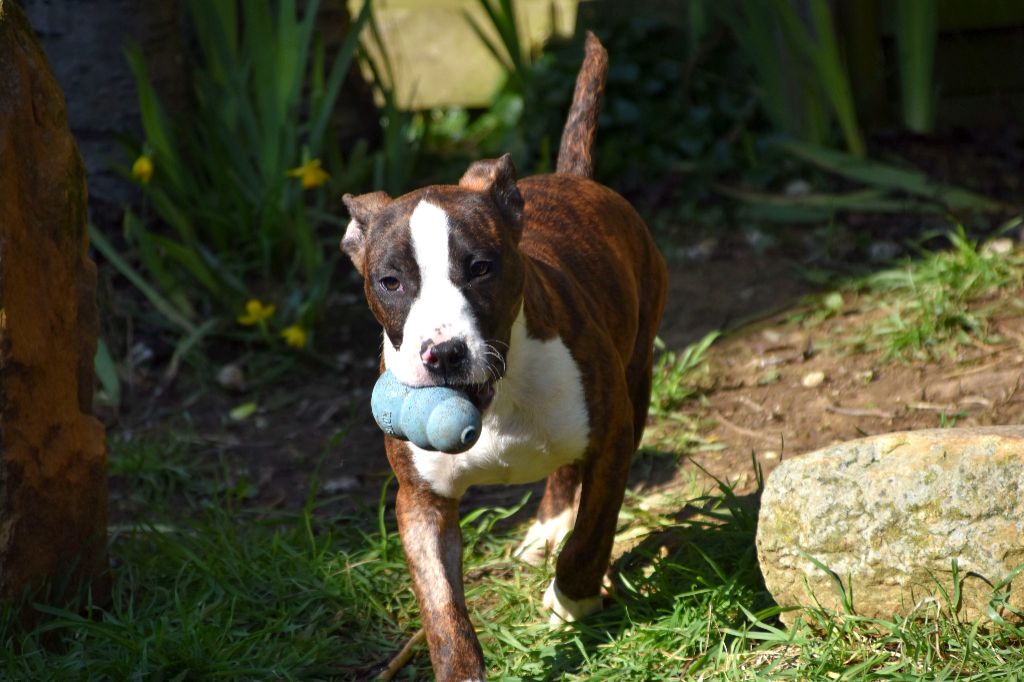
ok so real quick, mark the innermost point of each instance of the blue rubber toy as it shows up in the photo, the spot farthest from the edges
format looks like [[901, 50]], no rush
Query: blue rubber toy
[[432, 417]]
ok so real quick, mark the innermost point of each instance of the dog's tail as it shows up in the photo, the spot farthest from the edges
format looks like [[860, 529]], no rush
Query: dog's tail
[[575, 156]]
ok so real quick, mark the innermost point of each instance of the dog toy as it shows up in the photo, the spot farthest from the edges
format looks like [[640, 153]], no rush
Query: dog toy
[[432, 417]]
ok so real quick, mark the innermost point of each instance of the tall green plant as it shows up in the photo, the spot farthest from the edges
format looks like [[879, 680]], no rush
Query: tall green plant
[[803, 82], [231, 184], [519, 119], [402, 131], [916, 34]]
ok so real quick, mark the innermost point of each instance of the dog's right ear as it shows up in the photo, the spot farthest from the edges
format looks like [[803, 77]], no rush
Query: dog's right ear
[[362, 209], [497, 177]]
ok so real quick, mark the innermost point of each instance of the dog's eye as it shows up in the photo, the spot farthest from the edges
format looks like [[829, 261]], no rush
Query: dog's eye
[[390, 283], [479, 268]]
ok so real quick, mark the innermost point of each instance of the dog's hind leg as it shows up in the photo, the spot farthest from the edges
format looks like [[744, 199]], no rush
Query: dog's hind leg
[[579, 572], [555, 516]]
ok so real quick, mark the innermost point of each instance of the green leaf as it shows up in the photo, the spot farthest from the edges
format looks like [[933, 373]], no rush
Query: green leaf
[[244, 411], [165, 308], [916, 24], [878, 174], [106, 372], [339, 69]]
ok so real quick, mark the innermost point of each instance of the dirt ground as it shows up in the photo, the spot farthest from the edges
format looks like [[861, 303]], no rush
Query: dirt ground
[[314, 425]]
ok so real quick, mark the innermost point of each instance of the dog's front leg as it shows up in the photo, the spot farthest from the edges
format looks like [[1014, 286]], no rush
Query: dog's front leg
[[429, 526]]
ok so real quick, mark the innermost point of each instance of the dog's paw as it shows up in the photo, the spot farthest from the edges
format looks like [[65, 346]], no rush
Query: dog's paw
[[565, 610], [543, 538]]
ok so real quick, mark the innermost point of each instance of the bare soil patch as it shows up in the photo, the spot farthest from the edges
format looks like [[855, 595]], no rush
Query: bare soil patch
[[313, 430]]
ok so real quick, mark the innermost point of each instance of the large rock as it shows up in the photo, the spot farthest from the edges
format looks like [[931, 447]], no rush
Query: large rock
[[53, 494], [888, 514]]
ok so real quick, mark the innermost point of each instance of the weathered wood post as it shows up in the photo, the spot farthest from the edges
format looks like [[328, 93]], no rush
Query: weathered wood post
[[53, 490]]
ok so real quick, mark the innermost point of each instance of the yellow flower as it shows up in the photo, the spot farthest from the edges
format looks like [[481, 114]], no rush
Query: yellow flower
[[256, 312], [294, 336], [311, 173], [142, 169]]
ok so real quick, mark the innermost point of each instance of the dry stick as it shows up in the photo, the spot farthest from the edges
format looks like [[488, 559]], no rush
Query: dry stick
[[743, 400], [971, 370], [771, 437], [402, 657], [859, 412]]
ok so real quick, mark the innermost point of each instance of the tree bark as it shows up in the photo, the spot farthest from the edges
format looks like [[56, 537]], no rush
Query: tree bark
[[53, 485]]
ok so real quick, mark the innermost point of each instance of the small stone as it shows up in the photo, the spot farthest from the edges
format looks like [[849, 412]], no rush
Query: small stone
[[141, 354], [998, 247], [341, 484], [797, 188], [758, 240], [890, 515], [231, 377], [769, 455], [813, 379], [884, 251], [701, 251]]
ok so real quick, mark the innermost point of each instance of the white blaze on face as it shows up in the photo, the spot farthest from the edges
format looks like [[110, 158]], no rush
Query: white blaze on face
[[440, 311]]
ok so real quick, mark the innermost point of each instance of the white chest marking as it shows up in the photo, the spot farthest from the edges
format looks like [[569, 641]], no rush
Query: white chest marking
[[537, 422]]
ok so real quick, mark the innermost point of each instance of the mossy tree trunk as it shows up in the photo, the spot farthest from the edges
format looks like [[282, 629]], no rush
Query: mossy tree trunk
[[53, 490]]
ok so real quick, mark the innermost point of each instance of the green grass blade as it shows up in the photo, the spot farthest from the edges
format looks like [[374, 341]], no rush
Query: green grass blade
[[834, 79], [755, 26], [339, 68], [152, 295], [187, 257], [106, 372], [878, 174], [916, 23]]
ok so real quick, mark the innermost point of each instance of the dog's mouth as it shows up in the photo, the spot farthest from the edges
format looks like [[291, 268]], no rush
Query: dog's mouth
[[480, 395]]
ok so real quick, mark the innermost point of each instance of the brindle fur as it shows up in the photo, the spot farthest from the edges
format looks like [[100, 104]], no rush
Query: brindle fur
[[583, 265]]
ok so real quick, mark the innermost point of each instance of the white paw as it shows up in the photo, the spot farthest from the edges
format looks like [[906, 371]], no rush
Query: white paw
[[566, 610], [543, 538]]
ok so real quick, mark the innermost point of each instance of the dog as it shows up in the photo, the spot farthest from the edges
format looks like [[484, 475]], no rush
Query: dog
[[540, 299]]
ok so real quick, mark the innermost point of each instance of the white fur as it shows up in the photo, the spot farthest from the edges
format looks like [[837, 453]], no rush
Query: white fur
[[544, 537], [536, 423], [440, 311], [565, 610]]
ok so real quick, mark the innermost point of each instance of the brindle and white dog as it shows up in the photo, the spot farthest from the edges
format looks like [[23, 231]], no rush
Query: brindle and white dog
[[540, 299]]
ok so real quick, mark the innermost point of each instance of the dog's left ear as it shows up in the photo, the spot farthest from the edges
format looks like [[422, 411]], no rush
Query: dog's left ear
[[362, 209], [497, 177]]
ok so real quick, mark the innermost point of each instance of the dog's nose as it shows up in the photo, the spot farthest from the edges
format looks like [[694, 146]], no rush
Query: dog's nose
[[445, 358]]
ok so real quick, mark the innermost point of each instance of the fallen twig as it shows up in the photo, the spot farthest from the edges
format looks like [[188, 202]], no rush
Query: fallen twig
[[769, 437], [859, 412], [402, 657], [743, 400], [931, 407]]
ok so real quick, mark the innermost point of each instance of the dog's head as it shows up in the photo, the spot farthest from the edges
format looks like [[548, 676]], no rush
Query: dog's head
[[443, 274]]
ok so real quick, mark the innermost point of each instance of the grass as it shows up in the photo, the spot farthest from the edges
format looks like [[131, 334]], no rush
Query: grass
[[217, 591], [206, 587], [677, 377], [940, 299], [929, 307]]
